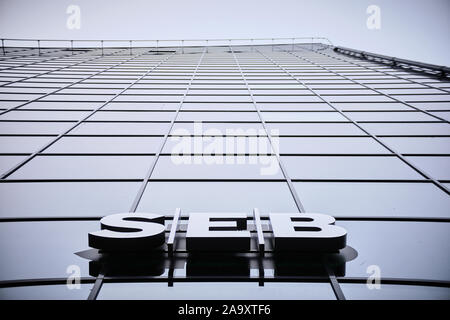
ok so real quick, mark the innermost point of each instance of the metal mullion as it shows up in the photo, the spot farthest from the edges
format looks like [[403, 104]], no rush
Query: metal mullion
[[335, 286], [152, 166], [57, 69], [19, 165], [99, 281], [399, 155], [263, 123], [58, 89], [383, 72], [370, 88]]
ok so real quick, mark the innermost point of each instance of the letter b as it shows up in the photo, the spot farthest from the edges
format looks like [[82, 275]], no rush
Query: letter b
[[307, 232]]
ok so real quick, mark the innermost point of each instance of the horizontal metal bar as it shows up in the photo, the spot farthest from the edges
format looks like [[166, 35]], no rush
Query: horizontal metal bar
[[281, 279], [169, 40], [338, 218]]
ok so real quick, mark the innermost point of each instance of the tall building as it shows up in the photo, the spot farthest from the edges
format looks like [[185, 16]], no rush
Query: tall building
[[301, 128]]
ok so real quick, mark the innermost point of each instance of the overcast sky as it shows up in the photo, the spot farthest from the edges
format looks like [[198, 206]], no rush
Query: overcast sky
[[411, 29]]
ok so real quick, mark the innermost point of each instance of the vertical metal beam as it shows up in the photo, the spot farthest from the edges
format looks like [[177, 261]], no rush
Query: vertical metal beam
[[51, 142], [55, 91], [99, 281], [399, 155], [144, 183], [294, 194], [171, 246], [371, 88], [173, 231], [333, 281], [261, 245], [97, 285], [259, 231]]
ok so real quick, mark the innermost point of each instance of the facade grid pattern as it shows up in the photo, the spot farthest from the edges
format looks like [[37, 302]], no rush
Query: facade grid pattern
[[91, 132]]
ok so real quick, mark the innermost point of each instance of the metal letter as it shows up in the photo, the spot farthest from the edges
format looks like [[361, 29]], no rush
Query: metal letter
[[129, 232], [307, 232], [217, 232]]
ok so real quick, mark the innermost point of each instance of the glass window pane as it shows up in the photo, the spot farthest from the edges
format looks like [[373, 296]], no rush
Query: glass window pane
[[217, 167], [374, 199], [184, 145], [348, 168], [165, 197], [442, 114], [437, 167], [48, 292], [121, 128], [217, 291], [7, 162], [206, 128], [62, 105], [121, 105], [85, 167], [303, 116], [371, 106], [356, 291], [132, 116], [320, 129], [44, 115], [43, 249], [294, 107], [217, 116], [218, 106], [34, 127], [106, 145], [407, 128], [22, 144], [66, 198], [336, 145], [389, 116], [419, 145], [192, 98], [281, 99], [424, 247]]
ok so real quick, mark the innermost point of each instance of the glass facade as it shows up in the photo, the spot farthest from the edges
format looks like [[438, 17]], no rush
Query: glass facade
[[282, 128]]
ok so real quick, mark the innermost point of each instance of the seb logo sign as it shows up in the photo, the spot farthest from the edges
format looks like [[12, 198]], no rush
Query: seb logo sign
[[220, 232]]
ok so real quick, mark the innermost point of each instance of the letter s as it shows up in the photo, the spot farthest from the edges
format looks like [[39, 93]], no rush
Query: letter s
[[129, 232]]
